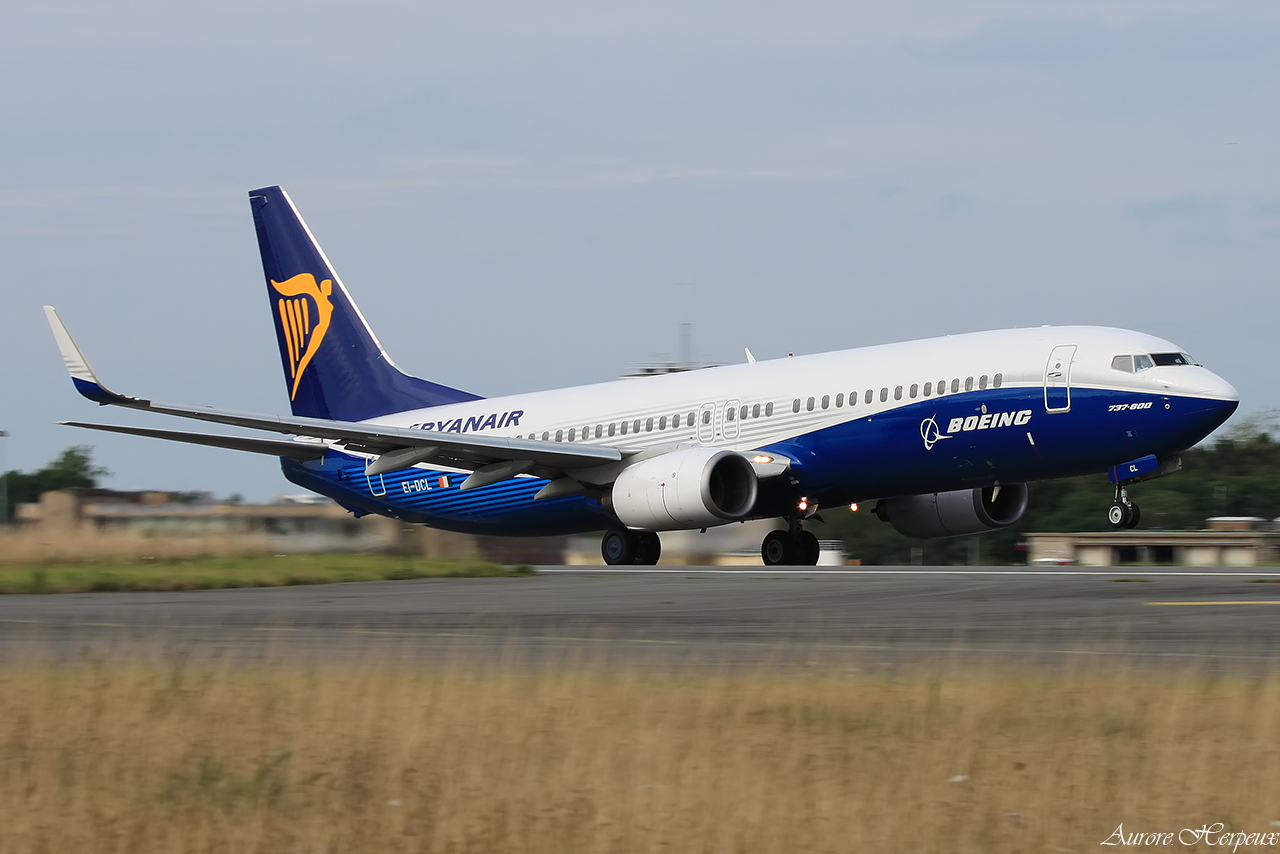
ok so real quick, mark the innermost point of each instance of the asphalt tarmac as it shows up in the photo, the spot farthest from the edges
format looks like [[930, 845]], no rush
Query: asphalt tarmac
[[695, 616]]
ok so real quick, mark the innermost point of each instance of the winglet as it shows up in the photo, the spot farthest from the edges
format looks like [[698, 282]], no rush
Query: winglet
[[86, 381], [750, 358]]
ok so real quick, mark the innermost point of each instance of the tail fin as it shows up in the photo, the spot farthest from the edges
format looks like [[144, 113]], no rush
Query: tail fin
[[334, 366]]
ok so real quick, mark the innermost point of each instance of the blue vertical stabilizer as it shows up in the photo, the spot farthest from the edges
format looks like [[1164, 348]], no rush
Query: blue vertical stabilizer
[[334, 366]]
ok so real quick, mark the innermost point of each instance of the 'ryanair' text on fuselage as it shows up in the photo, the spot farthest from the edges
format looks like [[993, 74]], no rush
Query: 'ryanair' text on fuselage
[[471, 424]]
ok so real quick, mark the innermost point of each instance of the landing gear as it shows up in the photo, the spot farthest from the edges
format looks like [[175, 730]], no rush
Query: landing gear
[[623, 547], [1123, 513], [793, 547]]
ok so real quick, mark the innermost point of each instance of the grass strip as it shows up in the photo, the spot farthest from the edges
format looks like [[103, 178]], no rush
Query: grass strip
[[125, 752], [219, 573]]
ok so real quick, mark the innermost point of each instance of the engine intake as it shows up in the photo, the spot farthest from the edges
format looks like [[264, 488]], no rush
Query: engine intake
[[689, 488], [949, 514]]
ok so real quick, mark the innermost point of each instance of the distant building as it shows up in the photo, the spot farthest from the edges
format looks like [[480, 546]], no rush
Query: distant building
[[1226, 541], [81, 524]]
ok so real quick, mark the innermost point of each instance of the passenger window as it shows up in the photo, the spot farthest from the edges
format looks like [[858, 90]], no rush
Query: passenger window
[[928, 389], [635, 427], [968, 383], [809, 405], [897, 393], [997, 381], [571, 432], [693, 417], [795, 407], [599, 430], [826, 401], [884, 395], [982, 381], [612, 425], [839, 400], [648, 425], [869, 396], [915, 388], [624, 426], [559, 435], [662, 423], [755, 411], [942, 387], [768, 410], [729, 413], [546, 435], [675, 421], [742, 413], [955, 386], [706, 416], [1141, 363]]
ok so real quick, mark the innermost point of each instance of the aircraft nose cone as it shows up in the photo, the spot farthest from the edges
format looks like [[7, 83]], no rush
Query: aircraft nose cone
[[1218, 389]]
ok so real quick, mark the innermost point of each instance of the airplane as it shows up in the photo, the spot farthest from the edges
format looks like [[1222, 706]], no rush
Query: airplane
[[943, 433]]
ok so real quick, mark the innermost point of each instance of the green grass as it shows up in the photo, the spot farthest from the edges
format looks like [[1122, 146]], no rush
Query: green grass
[[215, 573]]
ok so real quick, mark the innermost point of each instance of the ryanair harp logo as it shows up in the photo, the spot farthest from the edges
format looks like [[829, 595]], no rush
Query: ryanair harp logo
[[304, 311]]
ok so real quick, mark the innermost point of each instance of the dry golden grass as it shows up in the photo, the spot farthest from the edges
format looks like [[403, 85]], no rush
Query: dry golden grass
[[19, 545], [379, 757]]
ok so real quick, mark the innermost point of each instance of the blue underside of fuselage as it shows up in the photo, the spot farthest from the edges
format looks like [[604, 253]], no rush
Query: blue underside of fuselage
[[899, 452]]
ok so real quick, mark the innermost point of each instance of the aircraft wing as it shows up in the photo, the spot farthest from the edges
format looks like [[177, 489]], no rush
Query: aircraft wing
[[491, 458], [272, 447]]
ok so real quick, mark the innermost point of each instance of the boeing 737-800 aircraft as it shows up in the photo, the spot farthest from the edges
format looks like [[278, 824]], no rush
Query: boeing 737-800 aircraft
[[944, 433]]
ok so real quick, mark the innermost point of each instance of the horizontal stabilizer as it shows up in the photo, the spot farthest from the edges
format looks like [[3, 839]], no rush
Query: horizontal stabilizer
[[301, 451]]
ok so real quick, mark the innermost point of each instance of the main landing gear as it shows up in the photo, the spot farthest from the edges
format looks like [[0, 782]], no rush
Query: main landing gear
[[624, 547], [1123, 513], [792, 547]]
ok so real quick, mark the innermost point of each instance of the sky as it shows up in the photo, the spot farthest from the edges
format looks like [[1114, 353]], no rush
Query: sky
[[525, 196]]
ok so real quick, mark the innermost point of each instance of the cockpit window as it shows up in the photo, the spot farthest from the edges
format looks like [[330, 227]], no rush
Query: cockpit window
[[1141, 362], [1164, 359]]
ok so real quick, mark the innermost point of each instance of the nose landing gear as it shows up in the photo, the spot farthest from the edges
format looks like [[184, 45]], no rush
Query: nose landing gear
[[1123, 513]]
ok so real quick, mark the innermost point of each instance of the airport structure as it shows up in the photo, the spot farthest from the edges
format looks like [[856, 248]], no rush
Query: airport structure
[[1226, 541], [77, 524]]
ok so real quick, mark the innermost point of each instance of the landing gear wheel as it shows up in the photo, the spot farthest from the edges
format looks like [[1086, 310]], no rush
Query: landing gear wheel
[[1135, 516], [1118, 515], [648, 548], [778, 549], [618, 547], [807, 551]]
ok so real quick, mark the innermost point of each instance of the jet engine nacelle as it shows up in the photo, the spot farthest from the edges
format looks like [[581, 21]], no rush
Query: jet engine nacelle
[[689, 488], [948, 514]]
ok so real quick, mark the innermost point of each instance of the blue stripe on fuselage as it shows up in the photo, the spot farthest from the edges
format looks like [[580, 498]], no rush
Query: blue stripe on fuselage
[[415, 495], [890, 453], [895, 452]]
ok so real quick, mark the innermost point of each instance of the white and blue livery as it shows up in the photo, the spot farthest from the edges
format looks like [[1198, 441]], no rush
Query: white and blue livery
[[945, 433]]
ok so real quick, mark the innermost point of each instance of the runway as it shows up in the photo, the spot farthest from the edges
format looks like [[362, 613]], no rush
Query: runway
[[698, 616]]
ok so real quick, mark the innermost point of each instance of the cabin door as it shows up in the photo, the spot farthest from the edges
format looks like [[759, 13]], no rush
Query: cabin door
[[1057, 379]]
